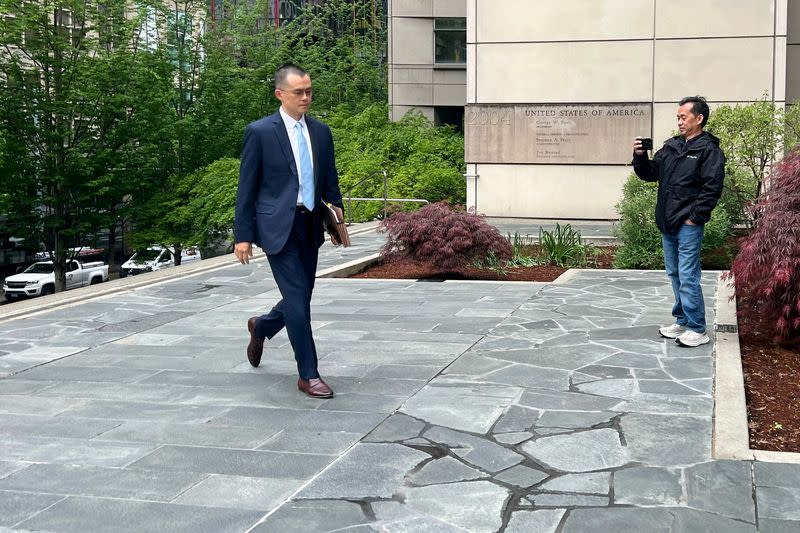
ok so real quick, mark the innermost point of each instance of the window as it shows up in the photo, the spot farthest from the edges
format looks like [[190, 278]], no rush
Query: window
[[450, 41], [449, 115]]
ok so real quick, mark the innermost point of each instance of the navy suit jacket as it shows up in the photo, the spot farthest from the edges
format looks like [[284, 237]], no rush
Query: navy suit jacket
[[266, 199]]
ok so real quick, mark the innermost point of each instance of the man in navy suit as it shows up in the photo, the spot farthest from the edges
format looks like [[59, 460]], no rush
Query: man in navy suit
[[287, 171]]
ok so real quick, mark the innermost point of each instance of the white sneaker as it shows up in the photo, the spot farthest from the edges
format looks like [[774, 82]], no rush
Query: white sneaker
[[692, 339], [671, 332]]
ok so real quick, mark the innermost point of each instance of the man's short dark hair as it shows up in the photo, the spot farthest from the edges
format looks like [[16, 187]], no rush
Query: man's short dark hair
[[699, 107], [283, 72]]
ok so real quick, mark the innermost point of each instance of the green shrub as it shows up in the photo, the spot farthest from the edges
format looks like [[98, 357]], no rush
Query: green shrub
[[641, 239], [448, 238], [422, 161], [637, 231], [564, 246]]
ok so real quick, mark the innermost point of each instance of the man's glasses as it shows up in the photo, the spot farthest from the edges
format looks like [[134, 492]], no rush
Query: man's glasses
[[300, 92]]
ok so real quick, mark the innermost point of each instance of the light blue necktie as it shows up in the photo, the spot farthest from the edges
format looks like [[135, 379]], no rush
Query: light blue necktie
[[306, 170]]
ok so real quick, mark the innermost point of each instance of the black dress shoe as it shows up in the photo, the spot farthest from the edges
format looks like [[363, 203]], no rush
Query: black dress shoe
[[256, 346], [316, 388]]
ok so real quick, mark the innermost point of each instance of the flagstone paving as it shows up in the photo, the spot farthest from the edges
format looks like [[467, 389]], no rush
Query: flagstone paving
[[480, 407]]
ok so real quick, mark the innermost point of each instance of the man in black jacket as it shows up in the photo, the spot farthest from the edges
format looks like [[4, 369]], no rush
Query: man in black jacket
[[689, 169]]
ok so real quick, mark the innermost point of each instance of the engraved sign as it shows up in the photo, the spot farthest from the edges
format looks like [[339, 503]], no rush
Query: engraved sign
[[556, 134]]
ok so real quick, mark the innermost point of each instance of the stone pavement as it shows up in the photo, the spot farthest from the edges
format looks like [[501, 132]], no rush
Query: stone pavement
[[460, 406]]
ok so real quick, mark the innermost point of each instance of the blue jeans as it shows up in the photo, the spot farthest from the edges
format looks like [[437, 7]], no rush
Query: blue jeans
[[682, 262]]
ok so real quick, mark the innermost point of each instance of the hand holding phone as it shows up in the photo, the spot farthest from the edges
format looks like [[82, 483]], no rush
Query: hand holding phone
[[647, 143]]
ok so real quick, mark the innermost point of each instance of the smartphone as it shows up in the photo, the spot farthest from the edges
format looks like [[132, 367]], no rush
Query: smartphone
[[647, 143]]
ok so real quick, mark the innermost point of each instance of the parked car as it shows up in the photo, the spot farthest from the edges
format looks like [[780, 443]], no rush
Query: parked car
[[155, 258], [82, 251], [40, 279]]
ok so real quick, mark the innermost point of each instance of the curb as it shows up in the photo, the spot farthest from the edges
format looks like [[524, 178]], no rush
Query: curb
[[730, 438], [42, 304], [63, 299], [346, 270]]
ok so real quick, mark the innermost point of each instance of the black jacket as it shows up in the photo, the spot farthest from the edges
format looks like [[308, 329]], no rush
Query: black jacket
[[689, 180]]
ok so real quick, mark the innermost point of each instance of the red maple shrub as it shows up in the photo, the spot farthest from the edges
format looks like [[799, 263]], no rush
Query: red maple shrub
[[766, 272], [446, 237]]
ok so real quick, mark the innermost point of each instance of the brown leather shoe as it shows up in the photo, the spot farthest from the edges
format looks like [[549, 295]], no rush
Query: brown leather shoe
[[316, 388], [256, 346]]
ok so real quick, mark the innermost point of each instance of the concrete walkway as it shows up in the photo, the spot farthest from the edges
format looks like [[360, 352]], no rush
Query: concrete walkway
[[460, 406]]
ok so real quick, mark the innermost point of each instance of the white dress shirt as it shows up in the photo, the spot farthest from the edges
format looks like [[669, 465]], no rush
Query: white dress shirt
[[292, 131]]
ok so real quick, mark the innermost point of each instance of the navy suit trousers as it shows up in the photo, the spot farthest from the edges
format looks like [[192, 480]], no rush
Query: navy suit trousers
[[294, 269]]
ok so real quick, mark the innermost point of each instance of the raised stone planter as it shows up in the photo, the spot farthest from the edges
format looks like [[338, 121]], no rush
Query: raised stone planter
[[731, 438]]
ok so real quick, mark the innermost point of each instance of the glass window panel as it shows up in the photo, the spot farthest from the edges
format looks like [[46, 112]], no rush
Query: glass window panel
[[450, 39], [450, 23]]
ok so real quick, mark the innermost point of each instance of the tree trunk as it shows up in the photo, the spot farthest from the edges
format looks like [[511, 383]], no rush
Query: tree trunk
[[60, 262], [177, 257], [112, 241]]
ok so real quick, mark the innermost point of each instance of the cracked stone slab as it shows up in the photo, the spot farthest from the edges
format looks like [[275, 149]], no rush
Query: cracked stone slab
[[591, 483], [594, 311], [461, 405], [569, 500], [647, 486], [668, 404], [777, 474], [395, 428], [521, 476], [516, 419], [723, 487], [633, 360], [79, 515], [17, 506], [476, 506], [316, 515], [101, 482], [765, 525], [444, 470], [667, 440], [472, 364], [651, 520], [624, 389], [566, 401], [579, 452], [529, 376], [417, 525], [239, 492], [365, 471], [566, 357], [573, 419], [635, 332], [539, 521], [512, 438], [477, 451], [666, 387], [605, 372], [782, 503]]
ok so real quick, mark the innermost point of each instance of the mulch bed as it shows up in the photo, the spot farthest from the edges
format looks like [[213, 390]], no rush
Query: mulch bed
[[772, 389], [772, 373], [409, 269]]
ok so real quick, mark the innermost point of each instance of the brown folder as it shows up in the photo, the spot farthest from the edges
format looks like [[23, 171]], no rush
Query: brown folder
[[334, 226]]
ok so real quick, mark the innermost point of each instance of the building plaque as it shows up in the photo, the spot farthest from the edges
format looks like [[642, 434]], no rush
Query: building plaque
[[600, 134]]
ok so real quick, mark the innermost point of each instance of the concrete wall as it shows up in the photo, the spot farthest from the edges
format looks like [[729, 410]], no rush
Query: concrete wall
[[616, 51], [590, 52], [415, 82]]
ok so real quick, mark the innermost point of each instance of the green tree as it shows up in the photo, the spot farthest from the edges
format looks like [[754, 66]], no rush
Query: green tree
[[67, 68], [422, 161], [751, 136]]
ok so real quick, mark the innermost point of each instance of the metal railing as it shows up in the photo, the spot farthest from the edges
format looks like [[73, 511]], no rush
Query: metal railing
[[385, 198]]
